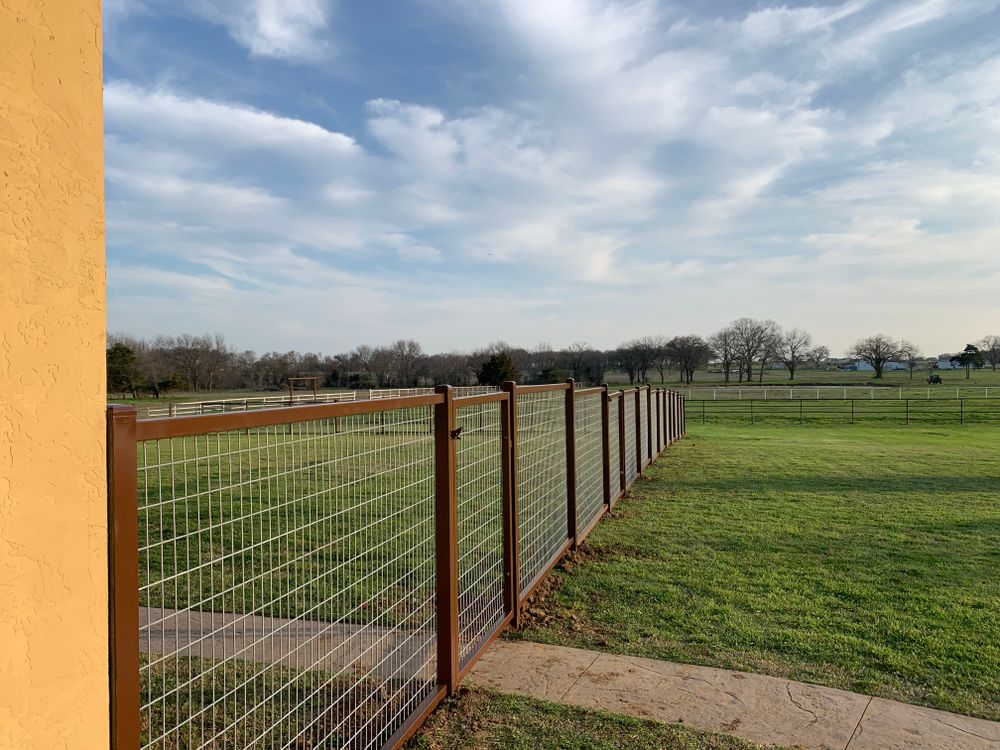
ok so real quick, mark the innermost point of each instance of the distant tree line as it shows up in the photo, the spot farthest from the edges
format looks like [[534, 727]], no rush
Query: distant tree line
[[880, 350], [742, 350]]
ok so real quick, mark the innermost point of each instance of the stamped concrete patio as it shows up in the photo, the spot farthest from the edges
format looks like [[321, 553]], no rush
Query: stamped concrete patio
[[763, 709]]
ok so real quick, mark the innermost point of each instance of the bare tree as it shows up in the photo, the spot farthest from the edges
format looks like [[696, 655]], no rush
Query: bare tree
[[689, 353], [382, 364], [629, 360], [990, 348], [362, 358], [408, 356], [574, 359], [756, 342], [660, 355], [454, 368], [909, 354], [794, 349], [646, 348], [724, 345], [817, 356], [584, 363], [876, 350]]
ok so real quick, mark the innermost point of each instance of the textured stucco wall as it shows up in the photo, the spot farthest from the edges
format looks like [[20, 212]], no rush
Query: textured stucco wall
[[53, 590]]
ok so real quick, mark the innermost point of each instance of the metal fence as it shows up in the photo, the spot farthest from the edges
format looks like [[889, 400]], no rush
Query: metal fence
[[248, 403], [226, 405], [460, 391], [323, 575], [960, 411], [839, 392]]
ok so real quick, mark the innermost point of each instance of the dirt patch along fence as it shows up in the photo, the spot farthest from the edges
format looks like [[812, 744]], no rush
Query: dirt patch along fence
[[324, 575]]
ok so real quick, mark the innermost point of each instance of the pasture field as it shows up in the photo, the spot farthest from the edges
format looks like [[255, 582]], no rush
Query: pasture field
[[863, 558], [493, 721]]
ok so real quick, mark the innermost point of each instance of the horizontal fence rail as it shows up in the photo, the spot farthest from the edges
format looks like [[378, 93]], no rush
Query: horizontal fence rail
[[226, 405], [853, 411], [323, 575]]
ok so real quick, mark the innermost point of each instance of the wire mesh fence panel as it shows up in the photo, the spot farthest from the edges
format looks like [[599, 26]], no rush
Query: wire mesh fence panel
[[589, 461], [631, 470], [460, 391], [614, 457], [657, 419], [541, 482], [250, 403], [644, 427], [479, 488], [287, 583]]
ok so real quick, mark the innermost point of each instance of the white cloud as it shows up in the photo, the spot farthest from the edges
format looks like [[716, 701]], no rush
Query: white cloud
[[170, 117], [293, 30]]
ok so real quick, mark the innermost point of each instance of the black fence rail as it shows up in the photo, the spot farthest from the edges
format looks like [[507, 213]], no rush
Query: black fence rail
[[961, 411], [324, 575]]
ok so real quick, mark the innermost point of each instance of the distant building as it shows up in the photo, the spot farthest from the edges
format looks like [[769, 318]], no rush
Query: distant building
[[855, 365], [858, 365], [944, 363]]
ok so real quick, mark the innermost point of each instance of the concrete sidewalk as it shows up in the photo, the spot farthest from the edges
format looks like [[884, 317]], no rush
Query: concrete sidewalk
[[767, 710]]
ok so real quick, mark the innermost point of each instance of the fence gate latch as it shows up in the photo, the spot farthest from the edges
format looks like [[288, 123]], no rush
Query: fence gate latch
[[456, 434]]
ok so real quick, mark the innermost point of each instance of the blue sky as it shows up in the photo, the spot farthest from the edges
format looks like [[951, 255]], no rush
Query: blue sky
[[315, 174]]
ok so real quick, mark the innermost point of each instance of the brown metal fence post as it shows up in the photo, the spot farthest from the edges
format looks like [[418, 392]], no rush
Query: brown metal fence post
[[512, 541], [606, 444], [123, 577], [446, 537], [571, 462]]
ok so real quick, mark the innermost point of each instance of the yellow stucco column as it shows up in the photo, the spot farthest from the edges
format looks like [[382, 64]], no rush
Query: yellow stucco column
[[53, 517]]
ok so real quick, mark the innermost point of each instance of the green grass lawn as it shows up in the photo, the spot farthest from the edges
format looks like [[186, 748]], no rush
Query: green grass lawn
[[864, 558], [492, 721]]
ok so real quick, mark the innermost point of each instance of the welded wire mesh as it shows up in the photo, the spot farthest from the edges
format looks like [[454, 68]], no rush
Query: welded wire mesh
[[657, 420], [250, 403], [631, 470], [614, 458], [479, 481], [460, 391], [589, 461], [541, 481], [287, 583], [644, 426]]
